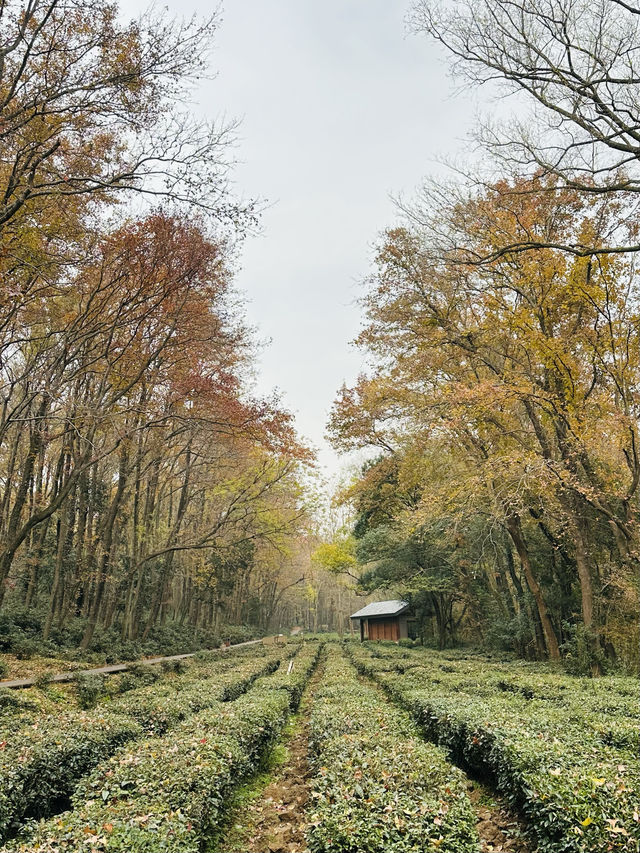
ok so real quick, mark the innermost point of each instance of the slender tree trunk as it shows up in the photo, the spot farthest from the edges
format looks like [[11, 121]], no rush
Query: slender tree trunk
[[515, 531], [107, 543], [161, 588]]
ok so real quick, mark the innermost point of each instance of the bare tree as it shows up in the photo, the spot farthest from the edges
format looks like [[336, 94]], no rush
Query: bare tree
[[578, 63]]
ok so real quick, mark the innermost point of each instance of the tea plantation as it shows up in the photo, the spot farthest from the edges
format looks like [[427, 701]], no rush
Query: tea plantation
[[394, 736]]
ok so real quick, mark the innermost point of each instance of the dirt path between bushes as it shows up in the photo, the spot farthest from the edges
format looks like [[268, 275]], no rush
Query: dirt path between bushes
[[500, 831], [269, 813], [498, 828]]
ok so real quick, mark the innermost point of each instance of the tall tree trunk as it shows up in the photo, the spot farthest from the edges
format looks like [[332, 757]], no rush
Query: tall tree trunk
[[12, 539], [106, 543], [514, 527], [161, 588]]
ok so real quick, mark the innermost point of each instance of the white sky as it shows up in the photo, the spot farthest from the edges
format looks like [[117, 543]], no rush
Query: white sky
[[339, 108]]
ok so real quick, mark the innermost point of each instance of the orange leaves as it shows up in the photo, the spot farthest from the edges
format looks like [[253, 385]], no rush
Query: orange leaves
[[503, 369]]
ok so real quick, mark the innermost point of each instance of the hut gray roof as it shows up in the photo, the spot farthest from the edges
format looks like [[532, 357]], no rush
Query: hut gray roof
[[382, 608]]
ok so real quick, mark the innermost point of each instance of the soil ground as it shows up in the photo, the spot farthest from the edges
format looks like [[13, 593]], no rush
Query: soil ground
[[268, 814], [498, 828]]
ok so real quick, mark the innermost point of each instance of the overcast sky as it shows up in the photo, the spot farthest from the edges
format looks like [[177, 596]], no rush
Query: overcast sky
[[339, 109]]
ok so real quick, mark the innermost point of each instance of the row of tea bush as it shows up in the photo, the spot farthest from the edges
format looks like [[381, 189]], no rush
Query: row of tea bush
[[169, 793], [550, 759], [378, 786], [41, 762]]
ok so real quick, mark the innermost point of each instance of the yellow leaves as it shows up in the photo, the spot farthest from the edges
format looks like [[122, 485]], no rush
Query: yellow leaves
[[586, 822], [337, 556]]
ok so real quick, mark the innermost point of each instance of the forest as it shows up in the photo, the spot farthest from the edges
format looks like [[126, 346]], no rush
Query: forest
[[502, 321], [146, 490], [503, 406]]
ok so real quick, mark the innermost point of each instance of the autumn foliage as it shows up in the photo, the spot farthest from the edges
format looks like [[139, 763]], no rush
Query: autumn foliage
[[141, 481], [504, 402]]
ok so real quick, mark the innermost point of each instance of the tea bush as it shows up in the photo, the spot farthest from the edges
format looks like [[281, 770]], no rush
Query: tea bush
[[41, 768], [10, 701], [160, 707], [543, 742], [378, 786], [41, 764], [303, 663], [169, 793], [138, 675], [90, 687], [177, 666]]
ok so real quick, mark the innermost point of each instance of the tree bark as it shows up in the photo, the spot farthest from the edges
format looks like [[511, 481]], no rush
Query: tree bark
[[515, 531]]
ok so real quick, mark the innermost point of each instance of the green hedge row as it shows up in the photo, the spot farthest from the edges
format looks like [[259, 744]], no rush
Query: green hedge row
[[378, 785], [293, 679], [607, 707], [22, 708], [168, 793], [160, 707], [42, 764], [576, 793]]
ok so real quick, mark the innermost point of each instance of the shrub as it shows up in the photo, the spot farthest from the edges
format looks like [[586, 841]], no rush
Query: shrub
[[378, 786], [8, 699], [561, 750], [4, 669], [90, 688], [207, 654], [41, 768], [16, 625], [137, 803], [158, 708], [303, 663], [42, 765], [167, 793], [175, 666], [138, 675], [175, 639], [43, 680], [239, 633], [25, 648], [582, 651]]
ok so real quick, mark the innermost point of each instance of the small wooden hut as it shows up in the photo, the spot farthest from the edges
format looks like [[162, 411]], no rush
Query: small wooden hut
[[383, 620]]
